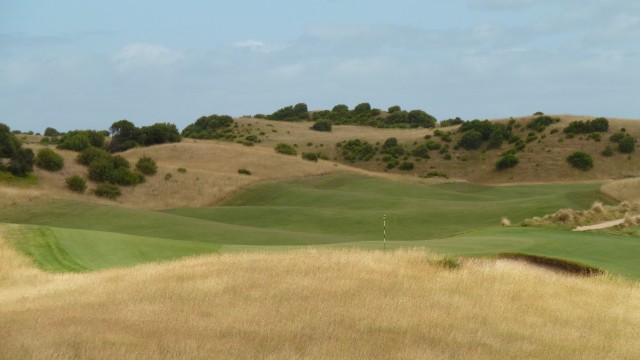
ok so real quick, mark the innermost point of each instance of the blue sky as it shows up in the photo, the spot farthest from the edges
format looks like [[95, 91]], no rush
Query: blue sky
[[85, 64]]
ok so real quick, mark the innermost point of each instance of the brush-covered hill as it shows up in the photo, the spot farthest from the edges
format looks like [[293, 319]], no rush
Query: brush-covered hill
[[196, 172]]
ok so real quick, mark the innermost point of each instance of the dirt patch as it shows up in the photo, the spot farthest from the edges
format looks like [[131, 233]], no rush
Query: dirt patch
[[555, 264]]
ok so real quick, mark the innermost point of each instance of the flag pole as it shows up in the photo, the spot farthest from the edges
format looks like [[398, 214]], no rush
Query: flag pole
[[384, 232]]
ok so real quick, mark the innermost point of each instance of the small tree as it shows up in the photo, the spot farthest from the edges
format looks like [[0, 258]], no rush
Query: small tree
[[580, 160], [51, 132], [76, 183], [49, 160]]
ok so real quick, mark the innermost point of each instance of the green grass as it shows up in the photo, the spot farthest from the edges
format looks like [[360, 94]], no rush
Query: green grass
[[28, 180], [332, 210], [61, 250]]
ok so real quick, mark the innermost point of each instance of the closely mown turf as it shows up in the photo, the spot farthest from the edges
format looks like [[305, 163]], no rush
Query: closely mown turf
[[329, 210]]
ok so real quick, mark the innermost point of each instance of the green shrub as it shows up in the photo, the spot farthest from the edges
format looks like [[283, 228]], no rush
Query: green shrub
[[310, 156], [322, 125], [541, 122], [210, 127], [182, 170], [421, 151], [244, 171], [608, 151], [147, 165], [51, 132], [586, 127], [286, 149], [507, 161], [581, 160], [90, 154], [79, 140], [627, 144], [76, 183], [471, 140], [357, 149], [115, 170], [107, 190], [617, 137], [406, 166], [49, 160]]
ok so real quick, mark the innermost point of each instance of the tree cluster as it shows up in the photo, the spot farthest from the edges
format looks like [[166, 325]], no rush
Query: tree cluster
[[364, 114], [125, 135], [14, 158], [296, 112], [210, 127], [587, 127], [78, 140]]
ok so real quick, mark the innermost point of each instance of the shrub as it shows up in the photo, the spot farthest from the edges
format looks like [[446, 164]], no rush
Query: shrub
[[471, 140], [357, 149], [51, 132], [49, 160], [541, 122], [580, 160], [393, 109], [507, 161], [90, 154], [310, 156], [608, 151], [286, 149], [76, 183], [244, 171], [107, 190], [115, 170], [586, 127], [406, 166], [79, 140], [421, 151], [147, 165], [210, 127], [617, 137], [182, 170], [627, 144], [322, 125]]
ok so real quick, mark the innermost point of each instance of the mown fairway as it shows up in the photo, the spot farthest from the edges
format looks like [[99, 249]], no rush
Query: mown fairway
[[332, 210]]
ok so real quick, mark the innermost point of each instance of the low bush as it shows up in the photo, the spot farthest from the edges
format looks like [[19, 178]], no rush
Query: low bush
[[357, 149], [608, 151], [147, 165], [406, 166], [322, 125], [107, 190], [581, 160], [244, 171], [286, 149], [49, 160], [76, 183], [507, 161], [310, 156], [471, 140], [627, 144], [90, 154]]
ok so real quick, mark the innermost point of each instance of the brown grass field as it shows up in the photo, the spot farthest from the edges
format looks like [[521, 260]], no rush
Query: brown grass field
[[621, 190], [315, 304]]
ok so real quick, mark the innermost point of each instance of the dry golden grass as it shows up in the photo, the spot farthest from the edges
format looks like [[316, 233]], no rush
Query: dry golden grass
[[626, 189], [316, 304], [598, 214]]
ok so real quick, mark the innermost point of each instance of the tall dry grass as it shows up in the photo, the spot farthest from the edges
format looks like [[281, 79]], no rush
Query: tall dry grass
[[319, 304], [626, 189]]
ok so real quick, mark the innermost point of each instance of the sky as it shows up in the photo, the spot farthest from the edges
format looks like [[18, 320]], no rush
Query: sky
[[84, 64]]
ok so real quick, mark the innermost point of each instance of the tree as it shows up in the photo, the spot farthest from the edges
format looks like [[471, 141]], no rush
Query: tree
[[507, 161], [418, 118], [49, 160], [158, 133], [146, 165], [393, 109], [124, 136], [362, 108], [79, 140], [51, 132], [20, 159]]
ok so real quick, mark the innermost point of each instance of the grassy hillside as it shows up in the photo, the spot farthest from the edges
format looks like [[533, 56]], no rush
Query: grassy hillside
[[315, 304]]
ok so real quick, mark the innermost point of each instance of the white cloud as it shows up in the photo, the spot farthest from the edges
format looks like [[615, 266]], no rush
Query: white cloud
[[142, 55], [257, 46]]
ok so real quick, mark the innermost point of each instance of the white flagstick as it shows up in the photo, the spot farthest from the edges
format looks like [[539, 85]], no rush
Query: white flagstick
[[384, 231]]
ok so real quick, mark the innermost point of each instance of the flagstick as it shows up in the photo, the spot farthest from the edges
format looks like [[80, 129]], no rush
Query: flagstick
[[384, 231]]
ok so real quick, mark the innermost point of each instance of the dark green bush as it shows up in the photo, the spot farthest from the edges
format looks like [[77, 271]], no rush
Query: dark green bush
[[147, 165], [422, 151], [107, 190], [51, 132], [49, 160], [406, 166], [587, 127], [90, 154], [471, 140], [244, 172], [507, 161], [286, 149], [581, 160], [357, 149], [79, 140], [76, 183], [115, 170], [210, 127], [322, 125], [391, 147], [627, 144], [541, 122], [310, 156]]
